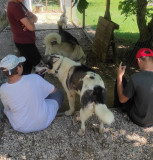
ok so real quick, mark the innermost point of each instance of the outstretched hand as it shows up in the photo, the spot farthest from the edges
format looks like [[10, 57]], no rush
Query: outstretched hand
[[120, 71]]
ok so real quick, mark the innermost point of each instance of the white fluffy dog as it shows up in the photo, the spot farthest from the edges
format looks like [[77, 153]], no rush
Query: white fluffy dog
[[63, 20], [77, 78], [54, 45]]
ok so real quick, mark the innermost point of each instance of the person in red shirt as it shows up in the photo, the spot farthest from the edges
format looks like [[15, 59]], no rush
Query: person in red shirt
[[22, 25]]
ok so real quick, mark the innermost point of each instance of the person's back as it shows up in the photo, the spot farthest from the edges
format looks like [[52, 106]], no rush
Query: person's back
[[30, 102], [141, 86], [30, 111], [136, 96]]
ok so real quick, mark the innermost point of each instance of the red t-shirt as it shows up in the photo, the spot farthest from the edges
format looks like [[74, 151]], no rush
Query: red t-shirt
[[15, 13]]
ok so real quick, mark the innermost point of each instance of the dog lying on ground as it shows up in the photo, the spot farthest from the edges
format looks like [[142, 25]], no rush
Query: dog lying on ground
[[54, 45], [77, 78]]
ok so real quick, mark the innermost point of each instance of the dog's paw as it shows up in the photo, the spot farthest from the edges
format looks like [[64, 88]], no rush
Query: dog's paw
[[81, 132], [68, 113]]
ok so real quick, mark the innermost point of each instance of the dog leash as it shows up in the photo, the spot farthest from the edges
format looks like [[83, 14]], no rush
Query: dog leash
[[56, 71]]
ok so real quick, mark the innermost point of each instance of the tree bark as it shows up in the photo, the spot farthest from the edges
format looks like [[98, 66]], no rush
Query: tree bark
[[141, 21], [144, 30], [150, 27], [107, 12]]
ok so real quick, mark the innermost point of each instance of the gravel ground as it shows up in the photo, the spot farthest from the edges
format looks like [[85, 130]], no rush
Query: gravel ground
[[123, 140]]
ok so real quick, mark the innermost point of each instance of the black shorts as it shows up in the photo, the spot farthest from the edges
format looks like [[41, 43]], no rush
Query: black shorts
[[32, 55]]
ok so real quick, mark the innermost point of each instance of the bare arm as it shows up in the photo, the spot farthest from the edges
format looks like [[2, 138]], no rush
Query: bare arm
[[32, 17], [28, 24], [54, 91], [120, 73]]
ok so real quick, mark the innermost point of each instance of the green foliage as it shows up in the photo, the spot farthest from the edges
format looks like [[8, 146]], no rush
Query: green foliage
[[81, 5], [129, 7], [128, 31]]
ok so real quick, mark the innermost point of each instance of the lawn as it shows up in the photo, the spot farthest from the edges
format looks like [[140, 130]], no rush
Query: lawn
[[128, 30], [51, 5]]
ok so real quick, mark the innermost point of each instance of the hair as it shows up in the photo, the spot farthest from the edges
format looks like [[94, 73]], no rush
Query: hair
[[13, 71], [144, 58]]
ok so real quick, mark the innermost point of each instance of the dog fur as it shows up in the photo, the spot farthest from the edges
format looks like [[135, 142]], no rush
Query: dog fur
[[63, 43], [54, 45], [65, 36], [63, 20], [77, 78]]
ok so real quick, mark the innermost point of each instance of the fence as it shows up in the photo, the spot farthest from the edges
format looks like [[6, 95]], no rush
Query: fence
[[3, 14], [125, 37], [48, 5]]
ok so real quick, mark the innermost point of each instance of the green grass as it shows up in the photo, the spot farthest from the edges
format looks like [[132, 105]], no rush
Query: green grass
[[51, 5], [128, 30]]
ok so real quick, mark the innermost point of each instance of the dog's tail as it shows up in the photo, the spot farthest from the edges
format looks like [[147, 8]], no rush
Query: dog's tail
[[104, 114], [79, 55], [52, 37]]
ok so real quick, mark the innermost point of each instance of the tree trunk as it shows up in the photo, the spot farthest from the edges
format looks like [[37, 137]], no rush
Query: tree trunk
[[141, 21], [150, 27], [144, 30], [107, 12]]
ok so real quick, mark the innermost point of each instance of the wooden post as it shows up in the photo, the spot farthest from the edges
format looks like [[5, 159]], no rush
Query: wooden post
[[107, 12], [83, 22], [71, 10], [46, 5]]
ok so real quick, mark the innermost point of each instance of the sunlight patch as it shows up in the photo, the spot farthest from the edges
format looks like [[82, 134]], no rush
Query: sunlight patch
[[137, 139]]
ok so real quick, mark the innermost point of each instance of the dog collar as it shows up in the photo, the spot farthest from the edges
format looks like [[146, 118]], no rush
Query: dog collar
[[56, 71]]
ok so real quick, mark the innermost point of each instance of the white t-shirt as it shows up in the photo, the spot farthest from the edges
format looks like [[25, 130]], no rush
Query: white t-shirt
[[25, 104]]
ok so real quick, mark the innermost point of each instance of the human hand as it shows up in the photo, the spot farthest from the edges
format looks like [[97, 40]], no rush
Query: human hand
[[32, 17], [120, 71], [24, 28], [54, 91]]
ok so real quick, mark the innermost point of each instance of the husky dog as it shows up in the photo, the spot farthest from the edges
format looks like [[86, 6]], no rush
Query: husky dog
[[63, 43], [77, 78], [65, 36], [54, 45]]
